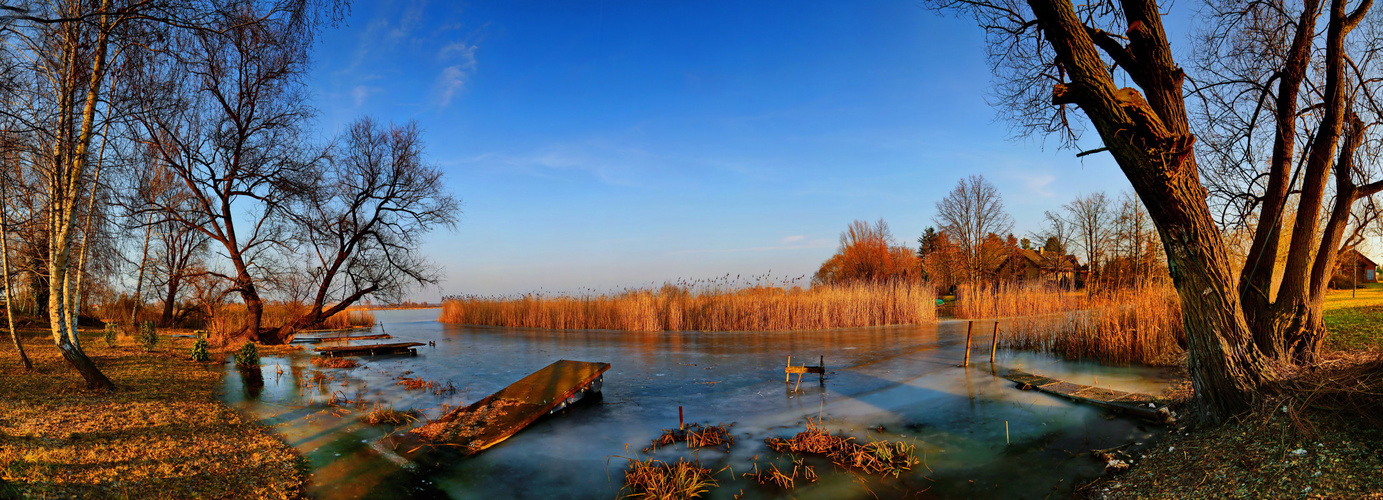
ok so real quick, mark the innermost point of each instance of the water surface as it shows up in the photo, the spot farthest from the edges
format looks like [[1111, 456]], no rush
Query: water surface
[[980, 437]]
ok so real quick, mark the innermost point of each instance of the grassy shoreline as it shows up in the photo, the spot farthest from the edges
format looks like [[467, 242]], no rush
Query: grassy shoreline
[[163, 434]]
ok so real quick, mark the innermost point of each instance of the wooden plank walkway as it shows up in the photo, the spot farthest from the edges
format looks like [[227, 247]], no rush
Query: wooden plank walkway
[[1131, 403], [369, 349], [489, 421]]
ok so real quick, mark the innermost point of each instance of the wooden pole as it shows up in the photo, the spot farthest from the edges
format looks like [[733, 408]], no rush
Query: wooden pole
[[680, 425], [787, 376], [994, 344], [968, 330]]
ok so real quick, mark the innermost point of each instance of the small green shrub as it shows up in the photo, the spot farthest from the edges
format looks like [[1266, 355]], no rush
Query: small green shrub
[[111, 329], [247, 356], [200, 352], [148, 336]]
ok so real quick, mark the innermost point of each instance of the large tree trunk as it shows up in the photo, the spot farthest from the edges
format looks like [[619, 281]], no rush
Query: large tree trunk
[[1256, 280], [1294, 305], [1151, 141], [170, 300]]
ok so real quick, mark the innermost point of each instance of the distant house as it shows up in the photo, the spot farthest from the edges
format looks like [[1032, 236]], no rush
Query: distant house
[[1039, 265], [1354, 267]]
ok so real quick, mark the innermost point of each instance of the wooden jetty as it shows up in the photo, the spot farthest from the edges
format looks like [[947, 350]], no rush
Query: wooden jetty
[[313, 340], [489, 421], [1131, 403], [369, 349]]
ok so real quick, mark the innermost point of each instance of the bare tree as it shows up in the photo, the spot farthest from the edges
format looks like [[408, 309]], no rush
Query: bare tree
[[9, 159], [1092, 219], [364, 224], [969, 214], [1284, 105], [227, 120], [1053, 57]]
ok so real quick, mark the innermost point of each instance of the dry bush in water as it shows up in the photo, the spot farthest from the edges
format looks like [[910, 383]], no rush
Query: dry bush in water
[[773, 476], [324, 362], [874, 457], [685, 307], [387, 415], [658, 479], [1139, 324], [696, 436]]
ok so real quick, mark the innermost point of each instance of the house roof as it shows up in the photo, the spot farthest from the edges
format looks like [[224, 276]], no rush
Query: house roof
[[1050, 259], [1362, 258]]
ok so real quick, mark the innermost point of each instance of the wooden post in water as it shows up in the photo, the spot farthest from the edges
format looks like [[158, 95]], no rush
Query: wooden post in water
[[994, 343], [787, 375], [680, 425], [968, 330]]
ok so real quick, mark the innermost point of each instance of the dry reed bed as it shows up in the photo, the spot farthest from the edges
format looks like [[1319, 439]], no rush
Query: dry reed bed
[[1140, 324], [676, 308], [656, 479], [696, 436], [234, 317], [875, 457]]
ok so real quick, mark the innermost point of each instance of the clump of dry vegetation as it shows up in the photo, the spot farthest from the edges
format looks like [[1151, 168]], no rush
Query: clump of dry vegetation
[[333, 362], [59, 441], [387, 415], [656, 479], [349, 318], [1139, 324], [706, 307], [415, 383], [696, 436], [875, 457], [776, 477]]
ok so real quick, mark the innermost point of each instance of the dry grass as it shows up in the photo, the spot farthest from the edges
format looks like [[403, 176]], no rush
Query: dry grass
[[696, 436], [1140, 324], [716, 308], [387, 415], [333, 362], [776, 477], [656, 479], [234, 317], [875, 457], [164, 434]]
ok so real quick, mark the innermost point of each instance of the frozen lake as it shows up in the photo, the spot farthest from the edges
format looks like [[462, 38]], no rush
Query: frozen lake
[[881, 383]]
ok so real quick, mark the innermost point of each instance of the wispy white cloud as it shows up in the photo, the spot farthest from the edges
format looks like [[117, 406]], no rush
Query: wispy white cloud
[[454, 77], [793, 239], [362, 92]]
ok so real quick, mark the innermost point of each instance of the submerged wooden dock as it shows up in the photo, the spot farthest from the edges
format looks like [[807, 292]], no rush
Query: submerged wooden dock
[[369, 349], [489, 421], [1131, 403]]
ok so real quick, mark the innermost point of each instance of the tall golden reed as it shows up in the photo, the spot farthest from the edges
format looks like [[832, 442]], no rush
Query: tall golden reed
[[1140, 324], [676, 308], [234, 317]]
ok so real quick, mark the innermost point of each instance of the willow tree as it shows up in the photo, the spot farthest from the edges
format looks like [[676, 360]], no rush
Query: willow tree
[[1056, 60], [1052, 55]]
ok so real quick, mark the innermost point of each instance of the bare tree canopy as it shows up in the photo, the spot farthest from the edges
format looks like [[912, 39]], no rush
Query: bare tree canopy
[[364, 227], [969, 214], [1052, 57]]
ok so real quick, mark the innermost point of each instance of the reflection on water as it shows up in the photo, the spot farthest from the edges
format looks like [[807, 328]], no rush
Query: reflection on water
[[980, 437]]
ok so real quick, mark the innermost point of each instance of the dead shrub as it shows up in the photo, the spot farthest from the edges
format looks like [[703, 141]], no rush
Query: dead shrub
[[333, 362], [874, 457], [656, 479], [696, 436]]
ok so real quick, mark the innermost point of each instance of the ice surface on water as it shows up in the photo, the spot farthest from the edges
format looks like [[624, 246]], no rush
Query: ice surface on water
[[904, 380]]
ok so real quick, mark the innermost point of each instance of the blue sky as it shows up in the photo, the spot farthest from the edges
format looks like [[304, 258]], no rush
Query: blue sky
[[609, 144]]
